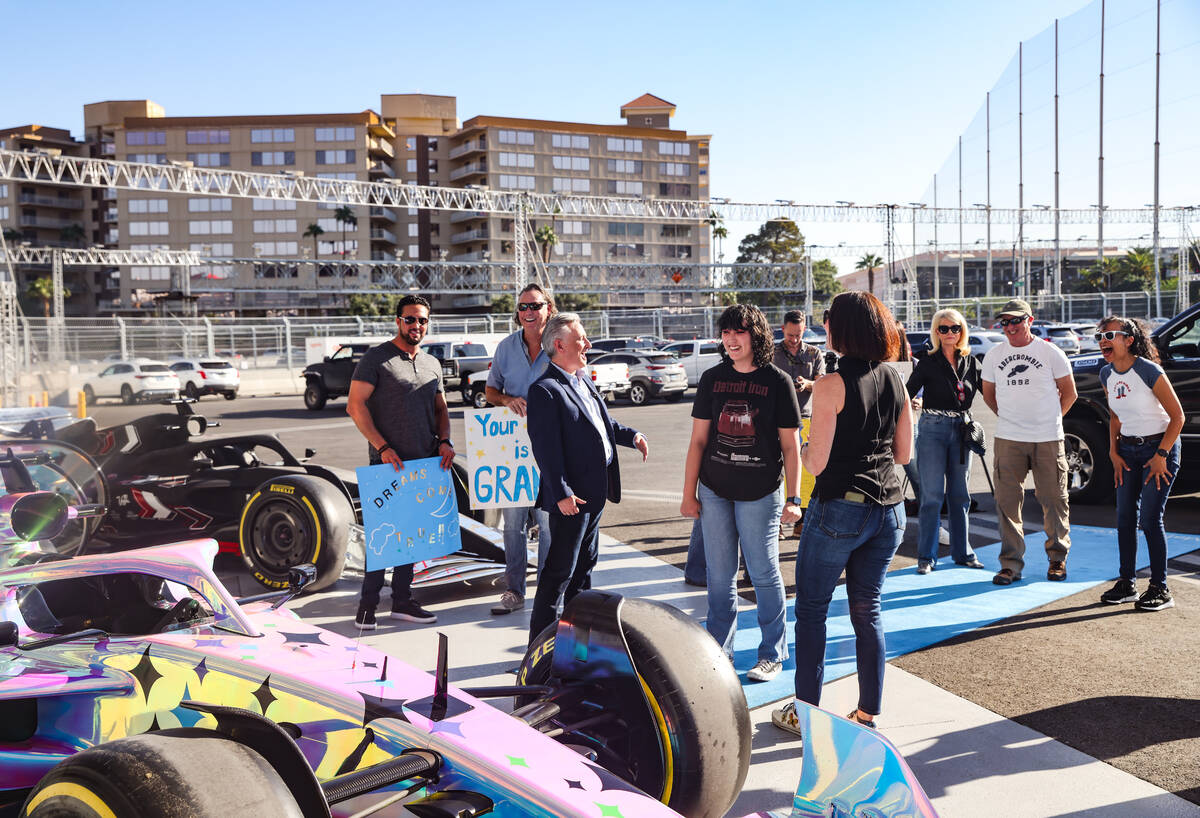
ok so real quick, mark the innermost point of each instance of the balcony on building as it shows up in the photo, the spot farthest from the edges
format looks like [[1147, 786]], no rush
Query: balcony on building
[[479, 234], [382, 255], [471, 146], [45, 221], [467, 216], [382, 169], [380, 147], [381, 129], [476, 256], [108, 149], [111, 215], [379, 234], [384, 213], [472, 169], [61, 202], [109, 195]]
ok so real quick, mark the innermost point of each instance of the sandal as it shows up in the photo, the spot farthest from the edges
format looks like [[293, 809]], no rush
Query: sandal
[[854, 717]]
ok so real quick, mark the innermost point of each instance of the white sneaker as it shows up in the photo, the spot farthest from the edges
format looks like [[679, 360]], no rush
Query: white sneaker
[[764, 671], [785, 718]]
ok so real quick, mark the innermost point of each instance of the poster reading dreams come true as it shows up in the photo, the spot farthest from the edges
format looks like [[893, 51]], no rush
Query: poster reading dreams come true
[[409, 515]]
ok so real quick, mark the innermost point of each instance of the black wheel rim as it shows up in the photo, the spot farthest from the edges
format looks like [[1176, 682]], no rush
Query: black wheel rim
[[281, 535]]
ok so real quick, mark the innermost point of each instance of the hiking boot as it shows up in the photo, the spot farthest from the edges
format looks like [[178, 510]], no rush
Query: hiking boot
[[410, 611], [1005, 576], [508, 603], [365, 619], [1124, 590], [1156, 598], [1057, 571], [785, 718], [764, 671], [924, 566]]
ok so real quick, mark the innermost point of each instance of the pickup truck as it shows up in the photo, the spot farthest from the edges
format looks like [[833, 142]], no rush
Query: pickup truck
[[611, 380], [696, 356], [330, 378], [1086, 425], [460, 359]]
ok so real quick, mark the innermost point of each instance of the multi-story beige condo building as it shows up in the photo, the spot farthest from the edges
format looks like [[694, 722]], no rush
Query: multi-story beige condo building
[[415, 138]]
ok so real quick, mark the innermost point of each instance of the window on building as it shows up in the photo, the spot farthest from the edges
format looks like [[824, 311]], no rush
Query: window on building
[[626, 229], [338, 157], [274, 204], [573, 141], [213, 249], [615, 143], [573, 228], [410, 143], [623, 250], [147, 159], [273, 135], [272, 158], [571, 163], [205, 228], [516, 160], [414, 251], [675, 231], [621, 187], [274, 225], [4, 211], [563, 184], [334, 134], [506, 225], [674, 190], [204, 204], [330, 225], [220, 137], [148, 228], [334, 248], [573, 248], [680, 251], [145, 137], [513, 182], [624, 165], [209, 160], [515, 137], [674, 169], [272, 249], [147, 206], [674, 149], [412, 230]]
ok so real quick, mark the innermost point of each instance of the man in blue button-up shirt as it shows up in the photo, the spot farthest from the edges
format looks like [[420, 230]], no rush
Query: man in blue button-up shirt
[[574, 442], [518, 362]]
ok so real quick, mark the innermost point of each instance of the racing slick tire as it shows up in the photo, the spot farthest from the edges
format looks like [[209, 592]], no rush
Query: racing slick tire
[[694, 694], [173, 777], [126, 394], [1089, 471], [315, 395], [294, 519]]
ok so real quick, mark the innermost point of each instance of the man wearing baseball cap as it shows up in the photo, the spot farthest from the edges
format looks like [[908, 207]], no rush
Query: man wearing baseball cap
[[1022, 379]]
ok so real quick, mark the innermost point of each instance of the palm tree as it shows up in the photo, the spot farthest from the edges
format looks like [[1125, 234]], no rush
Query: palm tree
[[1137, 267], [42, 289], [719, 231], [13, 235], [314, 230], [546, 238], [344, 215], [869, 262], [73, 234]]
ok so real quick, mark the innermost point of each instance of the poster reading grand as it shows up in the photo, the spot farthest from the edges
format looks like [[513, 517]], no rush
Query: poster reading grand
[[409, 515], [500, 461]]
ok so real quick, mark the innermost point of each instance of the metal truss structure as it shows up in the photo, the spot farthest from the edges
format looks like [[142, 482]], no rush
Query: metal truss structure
[[48, 168], [8, 329], [100, 256]]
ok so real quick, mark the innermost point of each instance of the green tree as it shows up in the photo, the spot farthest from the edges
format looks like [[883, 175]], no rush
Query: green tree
[[42, 289], [1131, 272], [869, 262], [825, 283], [778, 241], [73, 234], [576, 302], [504, 305], [371, 304], [314, 230], [546, 238], [344, 216], [719, 232], [11, 235]]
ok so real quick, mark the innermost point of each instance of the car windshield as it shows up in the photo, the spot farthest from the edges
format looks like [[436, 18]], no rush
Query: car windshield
[[470, 350], [1062, 332], [216, 365], [122, 604], [660, 359], [155, 368]]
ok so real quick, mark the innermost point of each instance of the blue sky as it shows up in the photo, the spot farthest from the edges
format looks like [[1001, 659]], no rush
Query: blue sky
[[865, 99]]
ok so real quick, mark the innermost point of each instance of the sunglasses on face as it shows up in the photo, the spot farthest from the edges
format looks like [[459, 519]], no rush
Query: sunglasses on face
[[1109, 335], [1012, 322], [946, 329], [413, 319], [532, 305]]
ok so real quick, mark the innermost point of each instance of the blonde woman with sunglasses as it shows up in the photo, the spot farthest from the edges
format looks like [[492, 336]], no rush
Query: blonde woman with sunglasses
[[950, 377]]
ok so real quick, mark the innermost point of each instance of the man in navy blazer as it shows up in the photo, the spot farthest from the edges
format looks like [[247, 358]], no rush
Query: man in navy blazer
[[574, 443]]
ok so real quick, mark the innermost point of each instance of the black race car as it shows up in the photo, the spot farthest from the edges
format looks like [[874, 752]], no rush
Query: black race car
[[163, 480]]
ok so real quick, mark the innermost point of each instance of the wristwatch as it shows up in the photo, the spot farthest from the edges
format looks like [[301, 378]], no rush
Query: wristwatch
[[1162, 453], [447, 441], [795, 500]]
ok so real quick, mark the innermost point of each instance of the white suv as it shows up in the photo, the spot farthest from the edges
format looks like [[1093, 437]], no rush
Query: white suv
[[207, 376], [133, 380]]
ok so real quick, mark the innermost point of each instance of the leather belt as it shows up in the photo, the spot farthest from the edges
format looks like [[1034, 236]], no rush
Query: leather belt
[[1135, 440]]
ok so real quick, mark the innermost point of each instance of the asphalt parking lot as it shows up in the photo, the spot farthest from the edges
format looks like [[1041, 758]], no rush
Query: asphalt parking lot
[[1119, 685]]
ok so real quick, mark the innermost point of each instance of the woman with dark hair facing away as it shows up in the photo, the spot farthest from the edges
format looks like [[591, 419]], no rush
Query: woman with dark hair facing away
[[950, 376], [1144, 432], [745, 437], [861, 429]]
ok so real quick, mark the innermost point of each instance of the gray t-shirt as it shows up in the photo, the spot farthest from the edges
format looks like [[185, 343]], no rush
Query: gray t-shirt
[[402, 405]]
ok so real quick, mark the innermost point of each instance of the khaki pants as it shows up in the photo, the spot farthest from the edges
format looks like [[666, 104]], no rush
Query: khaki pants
[[1013, 460]]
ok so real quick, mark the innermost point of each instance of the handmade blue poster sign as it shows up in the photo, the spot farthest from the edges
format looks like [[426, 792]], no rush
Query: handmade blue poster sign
[[500, 466], [409, 515]]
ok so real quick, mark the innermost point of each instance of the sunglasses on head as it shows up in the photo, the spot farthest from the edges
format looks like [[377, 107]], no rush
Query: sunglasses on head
[[532, 305], [413, 319], [1110, 335], [1012, 322], [946, 329]]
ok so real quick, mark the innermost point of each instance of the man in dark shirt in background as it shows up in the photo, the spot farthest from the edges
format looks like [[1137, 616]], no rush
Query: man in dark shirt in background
[[803, 363], [398, 404]]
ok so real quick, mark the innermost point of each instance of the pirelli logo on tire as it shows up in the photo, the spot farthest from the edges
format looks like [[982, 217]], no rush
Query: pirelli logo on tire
[[281, 489]]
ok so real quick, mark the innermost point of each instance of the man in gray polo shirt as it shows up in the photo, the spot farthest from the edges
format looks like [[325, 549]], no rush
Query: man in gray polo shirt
[[518, 362], [398, 404]]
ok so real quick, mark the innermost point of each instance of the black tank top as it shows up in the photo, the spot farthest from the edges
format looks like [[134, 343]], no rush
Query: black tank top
[[861, 459]]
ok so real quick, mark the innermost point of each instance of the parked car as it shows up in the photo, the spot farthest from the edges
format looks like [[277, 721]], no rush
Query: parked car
[[983, 340], [919, 343], [330, 378], [459, 361], [1061, 335], [611, 380], [697, 357], [613, 344], [1086, 424], [1087, 337], [651, 374], [206, 376], [137, 379]]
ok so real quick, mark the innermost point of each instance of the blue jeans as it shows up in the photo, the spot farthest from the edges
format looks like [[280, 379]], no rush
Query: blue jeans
[[755, 523], [1141, 504], [910, 468], [516, 553], [861, 539], [939, 448], [695, 570]]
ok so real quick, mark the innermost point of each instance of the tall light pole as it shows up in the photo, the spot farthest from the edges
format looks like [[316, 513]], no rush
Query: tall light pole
[[987, 208], [916, 282], [962, 293], [937, 285], [1157, 84]]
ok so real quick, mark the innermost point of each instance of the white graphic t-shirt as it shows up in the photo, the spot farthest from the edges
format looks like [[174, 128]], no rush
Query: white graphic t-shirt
[[1025, 390], [1131, 397]]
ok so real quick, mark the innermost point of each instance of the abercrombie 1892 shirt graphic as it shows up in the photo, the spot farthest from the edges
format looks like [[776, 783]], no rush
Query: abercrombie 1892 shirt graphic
[[1025, 389]]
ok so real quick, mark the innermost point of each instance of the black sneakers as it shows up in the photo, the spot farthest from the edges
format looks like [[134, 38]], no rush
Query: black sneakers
[[1123, 591], [365, 619], [1156, 598], [410, 611]]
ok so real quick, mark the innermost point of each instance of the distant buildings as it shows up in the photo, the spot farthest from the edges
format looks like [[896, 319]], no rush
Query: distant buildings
[[415, 138]]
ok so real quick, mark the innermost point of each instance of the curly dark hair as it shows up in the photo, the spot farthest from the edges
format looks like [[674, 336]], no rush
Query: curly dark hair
[[751, 319], [1139, 333]]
